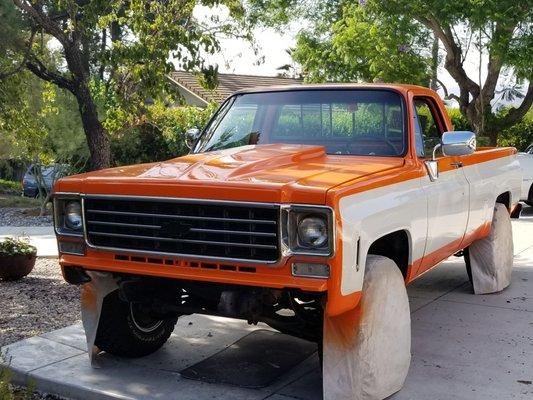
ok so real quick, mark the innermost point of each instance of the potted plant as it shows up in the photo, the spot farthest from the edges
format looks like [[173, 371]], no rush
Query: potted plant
[[17, 258]]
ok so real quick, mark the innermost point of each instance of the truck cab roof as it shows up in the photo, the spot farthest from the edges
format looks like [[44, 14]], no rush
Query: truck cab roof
[[399, 87]]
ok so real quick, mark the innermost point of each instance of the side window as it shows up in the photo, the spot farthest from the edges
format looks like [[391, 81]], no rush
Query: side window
[[427, 125], [419, 138]]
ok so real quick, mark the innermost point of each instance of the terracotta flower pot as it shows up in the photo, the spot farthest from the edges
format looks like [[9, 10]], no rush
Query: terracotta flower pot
[[16, 266]]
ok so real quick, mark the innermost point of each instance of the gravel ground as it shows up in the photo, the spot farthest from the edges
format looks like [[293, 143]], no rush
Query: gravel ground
[[10, 216], [39, 303]]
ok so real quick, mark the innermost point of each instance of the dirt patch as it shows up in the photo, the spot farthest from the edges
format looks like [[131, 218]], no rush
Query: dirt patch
[[17, 216], [39, 303]]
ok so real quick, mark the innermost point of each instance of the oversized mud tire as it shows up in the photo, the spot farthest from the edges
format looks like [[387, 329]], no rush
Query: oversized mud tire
[[489, 261], [125, 331], [367, 351]]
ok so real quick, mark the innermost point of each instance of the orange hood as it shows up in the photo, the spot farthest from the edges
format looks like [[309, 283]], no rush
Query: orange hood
[[262, 173]]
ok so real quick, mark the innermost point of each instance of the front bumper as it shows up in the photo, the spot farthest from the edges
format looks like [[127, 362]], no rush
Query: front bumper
[[278, 277]]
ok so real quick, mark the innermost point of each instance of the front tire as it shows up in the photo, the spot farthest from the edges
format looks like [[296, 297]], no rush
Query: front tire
[[367, 351], [125, 330]]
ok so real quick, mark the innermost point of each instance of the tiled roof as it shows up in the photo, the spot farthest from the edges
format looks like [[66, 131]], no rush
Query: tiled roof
[[227, 84]]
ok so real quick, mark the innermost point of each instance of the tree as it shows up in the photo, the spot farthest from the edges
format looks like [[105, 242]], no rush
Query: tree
[[22, 115], [118, 50], [393, 41]]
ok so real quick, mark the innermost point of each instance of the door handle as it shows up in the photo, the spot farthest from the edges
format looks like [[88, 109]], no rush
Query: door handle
[[457, 164]]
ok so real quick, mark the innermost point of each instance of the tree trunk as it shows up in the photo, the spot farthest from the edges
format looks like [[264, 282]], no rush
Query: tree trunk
[[433, 83], [97, 139]]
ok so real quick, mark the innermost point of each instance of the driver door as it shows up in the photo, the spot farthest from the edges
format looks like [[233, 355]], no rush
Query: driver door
[[448, 195]]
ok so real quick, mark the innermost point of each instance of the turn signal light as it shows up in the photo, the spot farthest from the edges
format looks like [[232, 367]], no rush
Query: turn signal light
[[310, 270]]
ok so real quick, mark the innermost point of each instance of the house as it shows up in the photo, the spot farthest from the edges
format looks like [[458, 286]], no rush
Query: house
[[194, 94]]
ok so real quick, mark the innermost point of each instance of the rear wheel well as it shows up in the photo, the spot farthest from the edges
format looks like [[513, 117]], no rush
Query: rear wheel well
[[395, 246], [505, 199]]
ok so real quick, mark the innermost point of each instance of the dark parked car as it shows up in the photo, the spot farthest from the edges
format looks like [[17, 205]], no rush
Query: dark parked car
[[50, 173]]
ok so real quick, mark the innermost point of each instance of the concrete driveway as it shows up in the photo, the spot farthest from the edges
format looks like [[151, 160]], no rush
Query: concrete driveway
[[464, 347]]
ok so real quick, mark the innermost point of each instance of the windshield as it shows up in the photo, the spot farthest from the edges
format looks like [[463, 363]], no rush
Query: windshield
[[353, 122]]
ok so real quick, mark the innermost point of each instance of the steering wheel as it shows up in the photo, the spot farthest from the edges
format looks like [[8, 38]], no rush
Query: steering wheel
[[373, 139]]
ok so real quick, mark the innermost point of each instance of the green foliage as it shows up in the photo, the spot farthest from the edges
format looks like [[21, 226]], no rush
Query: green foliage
[[459, 122], [374, 46], [159, 134], [519, 135], [391, 41], [345, 41], [11, 246], [65, 139], [39, 122], [10, 187], [11, 34], [18, 201], [7, 391], [23, 132], [115, 56]]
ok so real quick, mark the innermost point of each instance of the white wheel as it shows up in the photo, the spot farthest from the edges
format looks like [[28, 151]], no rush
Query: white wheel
[[491, 258], [367, 351]]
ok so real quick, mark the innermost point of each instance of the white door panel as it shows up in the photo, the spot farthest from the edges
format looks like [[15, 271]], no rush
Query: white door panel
[[448, 206]]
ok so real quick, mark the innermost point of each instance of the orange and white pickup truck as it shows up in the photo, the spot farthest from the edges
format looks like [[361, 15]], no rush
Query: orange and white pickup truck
[[289, 199]]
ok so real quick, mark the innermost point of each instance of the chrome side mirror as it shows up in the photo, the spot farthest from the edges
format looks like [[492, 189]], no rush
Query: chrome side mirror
[[458, 143], [190, 136], [453, 143]]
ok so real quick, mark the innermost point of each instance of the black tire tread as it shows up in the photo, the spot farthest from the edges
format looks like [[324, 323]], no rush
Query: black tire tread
[[529, 201], [466, 254], [116, 334]]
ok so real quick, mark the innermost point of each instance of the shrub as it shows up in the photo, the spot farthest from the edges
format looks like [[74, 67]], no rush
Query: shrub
[[459, 122], [10, 187], [7, 390], [519, 135], [11, 246], [159, 136]]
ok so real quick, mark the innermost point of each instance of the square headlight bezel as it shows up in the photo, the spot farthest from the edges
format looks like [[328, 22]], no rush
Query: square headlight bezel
[[291, 215], [60, 201]]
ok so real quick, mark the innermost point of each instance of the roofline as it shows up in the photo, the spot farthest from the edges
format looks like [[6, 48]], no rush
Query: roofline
[[336, 86], [249, 75], [188, 90]]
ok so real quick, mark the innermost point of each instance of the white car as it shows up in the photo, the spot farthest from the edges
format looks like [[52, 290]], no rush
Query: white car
[[526, 163]]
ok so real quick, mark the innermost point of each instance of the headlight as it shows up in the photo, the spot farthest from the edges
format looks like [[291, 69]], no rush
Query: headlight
[[73, 218], [307, 230], [68, 215], [313, 232]]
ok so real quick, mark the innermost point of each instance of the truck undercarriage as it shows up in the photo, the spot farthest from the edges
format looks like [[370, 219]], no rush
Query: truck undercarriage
[[290, 311]]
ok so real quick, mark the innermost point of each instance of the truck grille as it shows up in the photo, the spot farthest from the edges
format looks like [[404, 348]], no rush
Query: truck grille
[[193, 228]]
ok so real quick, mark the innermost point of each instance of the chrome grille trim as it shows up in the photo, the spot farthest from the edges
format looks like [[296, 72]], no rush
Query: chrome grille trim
[[191, 217], [124, 224], [165, 239], [222, 230]]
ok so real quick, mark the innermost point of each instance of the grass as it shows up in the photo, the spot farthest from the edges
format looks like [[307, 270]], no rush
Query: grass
[[7, 390], [10, 187], [7, 200]]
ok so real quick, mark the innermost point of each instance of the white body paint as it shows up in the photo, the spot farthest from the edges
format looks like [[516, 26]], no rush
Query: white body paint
[[526, 164], [433, 214]]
